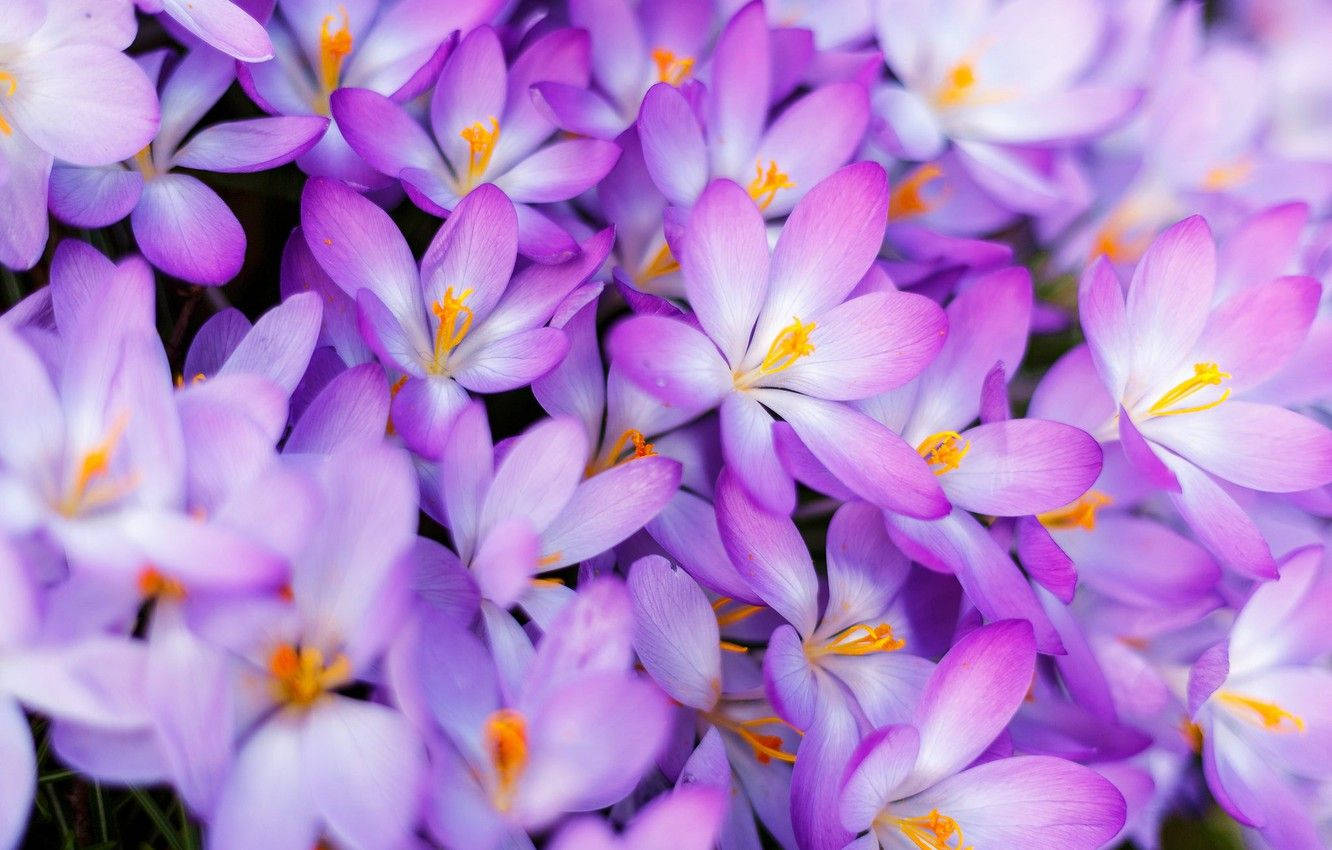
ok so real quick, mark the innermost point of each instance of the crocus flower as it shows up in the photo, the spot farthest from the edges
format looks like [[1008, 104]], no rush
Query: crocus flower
[[989, 76], [1259, 702], [1170, 360], [573, 735], [777, 332], [180, 224], [66, 92], [457, 322], [226, 25], [485, 129], [322, 45], [916, 785], [305, 772]]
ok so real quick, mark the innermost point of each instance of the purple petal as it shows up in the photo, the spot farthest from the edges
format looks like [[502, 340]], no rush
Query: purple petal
[[671, 361], [559, 171], [673, 147], [675, 632], [186, 230], [608, 507], [93, 197], [1219, 522], [224, 25], [265, 800], [1023, 466], [577, 110], [476, 248], [19, 779], [538, 476], [471, 88], [1256, 331], [687, 529], [1169, 299], [383, 133], [748, 444], [739, 90], [865, 569], [423, 411], [280, 343], [256, 144], [814, 136], [879, 765], [1143, 457]]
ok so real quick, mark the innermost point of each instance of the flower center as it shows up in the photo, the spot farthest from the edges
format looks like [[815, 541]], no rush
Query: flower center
[[933, 832], [906, 200], [455, 320], [1270, 715], [661, 264], [791, 344], [957, 86], [766, 184], [943, 452], [1204, 375], [11, 85], [299, 676], [766, 747], [333, 49], [92, 487], [671, 68], [1080, 514], [481, 146], [641, 448], [153, 584], [862, 639], [506, 741]]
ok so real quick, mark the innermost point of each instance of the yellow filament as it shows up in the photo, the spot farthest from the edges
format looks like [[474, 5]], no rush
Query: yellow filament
[[394, 389], [1204, 375], [455, 320], [506, 740], [333, 49], [906, 200], [933, 832], [735, 615], [671, 68], [862, 639], [1080, 514], [89, 489], [766, 184], [1193, 734], [661, 264], [481, 146], [765, 747], [1271, 715], [154, 585], [734, 647], [300, 676], [12, 85], [957, 86], [791, 344], [642, 448], [144, 160], [943, 452]]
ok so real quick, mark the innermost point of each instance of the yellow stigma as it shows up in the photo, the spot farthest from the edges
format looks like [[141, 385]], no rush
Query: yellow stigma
[[933, 832], [661, 264], [1204, 375], [736, 614], [506, 741], [862, 639], [671, 68], [765, 747], [1079, 514], [1270, 715], [957, 85], [333, 49], [943, 452], [154, 585], [641, 448], [455, 320], [906, 200], [766, 184], [11, 84], [792, 343], [481, 147], [299, 676], [90, 488]]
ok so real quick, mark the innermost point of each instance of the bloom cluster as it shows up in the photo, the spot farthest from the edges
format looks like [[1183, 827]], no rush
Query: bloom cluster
[[672, 491]]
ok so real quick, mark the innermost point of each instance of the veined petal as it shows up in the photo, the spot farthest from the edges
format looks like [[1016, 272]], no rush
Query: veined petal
[[383, 133], [1220, 523], [671, 361], [93, 197], [879, 765], [559, 171], [1023, 466], [749, 447], [814, 136], [185, 229], [675, 632], [739, 89], [673, 147], [537, 478]]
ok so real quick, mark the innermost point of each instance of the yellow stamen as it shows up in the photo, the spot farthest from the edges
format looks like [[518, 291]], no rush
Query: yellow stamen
[[333, 49], [506, 740], [144, 161], [1271, 715], [550, 560], [300, 676], [394, 389], [1193, 734], [611, 458], [481, 146], [12, 83], [957, 86], [765, 747], [933, 832], [791, 344], [154, 585], [1080, 514], [943, 452], [671, 68], [862, 639], [906, 200], [199, 378], [766, 184], [1204, 375], [455, 320], [661, 264], [548, 582], [1228, 176], [730, 618], [89, 489], [734, 647]]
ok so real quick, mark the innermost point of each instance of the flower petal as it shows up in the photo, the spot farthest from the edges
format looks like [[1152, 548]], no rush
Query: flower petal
[[186, 230]]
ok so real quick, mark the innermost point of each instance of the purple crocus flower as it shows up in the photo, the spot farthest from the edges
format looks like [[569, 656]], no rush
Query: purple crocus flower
[[685, 819], [990, 76], [305, 772], [226, 25], [394, 48], [66, 92], [777, 332], [180, 224], [919, 785], [573, 734], [455, 323], [485, 129], [1170, 360]]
